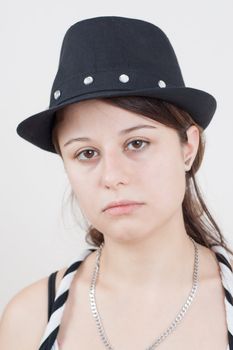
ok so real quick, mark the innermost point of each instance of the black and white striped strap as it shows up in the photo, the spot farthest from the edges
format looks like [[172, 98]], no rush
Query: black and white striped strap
[[227, 281], [53, 324]]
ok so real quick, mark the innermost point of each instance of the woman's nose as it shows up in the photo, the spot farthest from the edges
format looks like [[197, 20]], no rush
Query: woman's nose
[[115, 170]]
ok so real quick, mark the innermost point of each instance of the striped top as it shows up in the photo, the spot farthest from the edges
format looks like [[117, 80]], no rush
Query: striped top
[[49, 339]]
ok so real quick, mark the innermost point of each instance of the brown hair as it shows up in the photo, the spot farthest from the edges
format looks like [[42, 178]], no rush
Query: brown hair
[[199, 223]]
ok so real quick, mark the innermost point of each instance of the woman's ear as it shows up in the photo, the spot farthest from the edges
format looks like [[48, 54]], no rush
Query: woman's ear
[[190, 148]]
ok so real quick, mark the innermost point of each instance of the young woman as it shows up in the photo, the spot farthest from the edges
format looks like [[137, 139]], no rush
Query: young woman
[[131, 137]]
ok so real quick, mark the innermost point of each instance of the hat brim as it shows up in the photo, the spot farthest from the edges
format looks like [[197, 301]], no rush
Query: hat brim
[[199, 104]]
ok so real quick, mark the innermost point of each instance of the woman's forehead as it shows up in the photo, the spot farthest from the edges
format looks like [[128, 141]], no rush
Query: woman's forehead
[[91, 113]]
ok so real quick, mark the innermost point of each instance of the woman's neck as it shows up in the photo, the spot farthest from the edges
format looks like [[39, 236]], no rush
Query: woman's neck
[[165, 259]]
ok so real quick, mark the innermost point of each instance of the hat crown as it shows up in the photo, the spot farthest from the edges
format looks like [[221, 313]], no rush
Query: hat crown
[[99, 46]]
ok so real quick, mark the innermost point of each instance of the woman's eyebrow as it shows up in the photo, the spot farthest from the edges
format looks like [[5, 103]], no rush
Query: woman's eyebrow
[[122, 132]]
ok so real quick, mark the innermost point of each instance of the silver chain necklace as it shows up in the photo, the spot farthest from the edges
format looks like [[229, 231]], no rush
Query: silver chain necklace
[[173, 325]]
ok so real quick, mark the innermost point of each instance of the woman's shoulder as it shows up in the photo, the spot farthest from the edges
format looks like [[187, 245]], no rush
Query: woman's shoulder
[[26, 315]]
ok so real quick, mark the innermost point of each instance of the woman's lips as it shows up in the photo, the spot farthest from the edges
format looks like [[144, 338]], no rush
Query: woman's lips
[[123, 209]]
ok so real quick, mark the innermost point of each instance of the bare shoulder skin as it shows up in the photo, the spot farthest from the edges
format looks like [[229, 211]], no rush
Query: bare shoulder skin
[[25, 317]]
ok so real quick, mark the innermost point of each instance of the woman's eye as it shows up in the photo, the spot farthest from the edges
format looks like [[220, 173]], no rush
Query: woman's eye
[[88, 152], [138, 142]]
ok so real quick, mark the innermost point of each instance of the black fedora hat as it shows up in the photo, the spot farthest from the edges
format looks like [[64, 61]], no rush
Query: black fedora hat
[[116, 56]]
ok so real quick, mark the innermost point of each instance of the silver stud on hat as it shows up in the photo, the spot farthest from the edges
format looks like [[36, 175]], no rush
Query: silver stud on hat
[[161, 83], [124, 78], [88, 80], [57, 94]]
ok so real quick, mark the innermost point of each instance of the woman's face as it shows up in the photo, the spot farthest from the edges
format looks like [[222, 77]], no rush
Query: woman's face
[[145, 165]]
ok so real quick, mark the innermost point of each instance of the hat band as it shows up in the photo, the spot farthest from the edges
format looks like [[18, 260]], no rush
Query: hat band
[[120, 80]]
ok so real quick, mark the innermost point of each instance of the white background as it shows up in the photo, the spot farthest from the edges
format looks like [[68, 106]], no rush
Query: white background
[[34, 241]]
